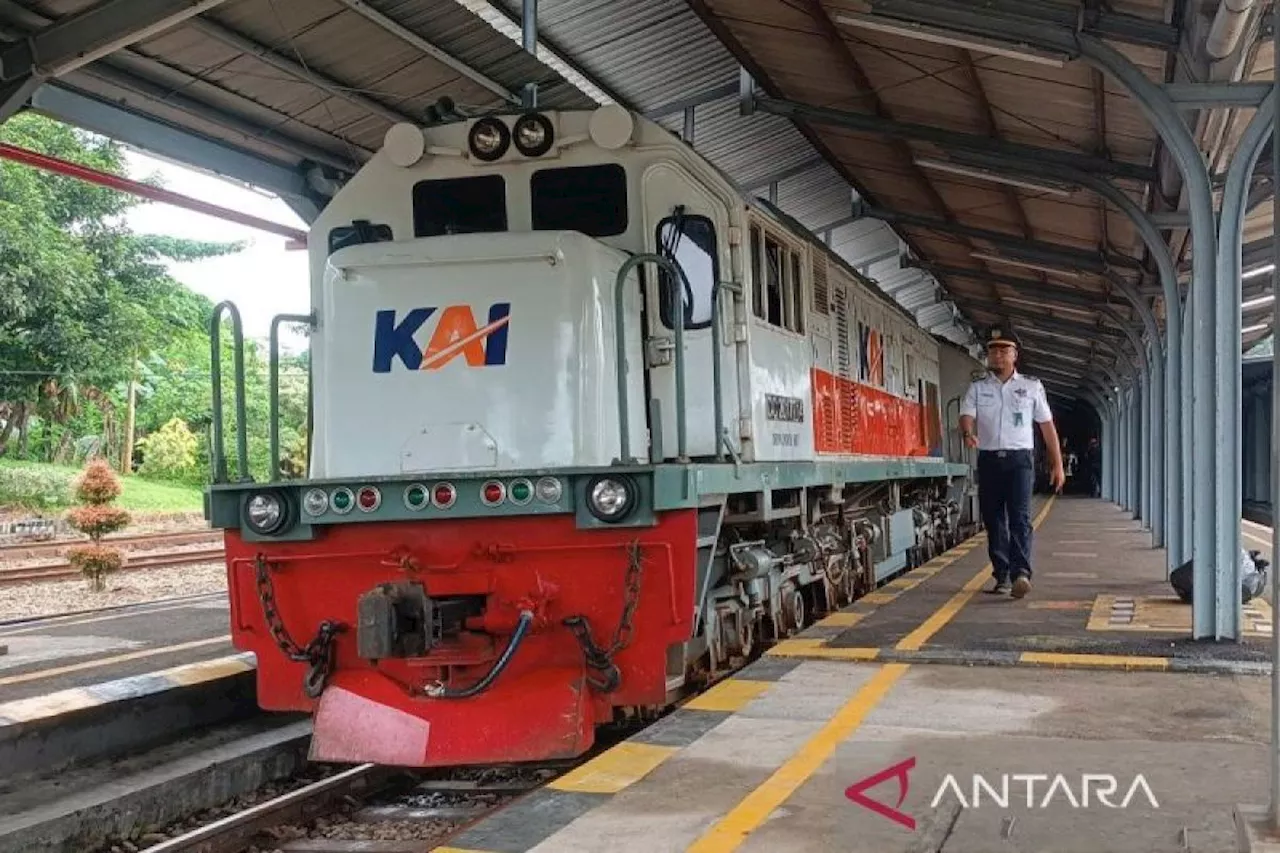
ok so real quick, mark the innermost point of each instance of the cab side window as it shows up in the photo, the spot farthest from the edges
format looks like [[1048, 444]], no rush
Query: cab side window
[[691, 242], [777, 282]]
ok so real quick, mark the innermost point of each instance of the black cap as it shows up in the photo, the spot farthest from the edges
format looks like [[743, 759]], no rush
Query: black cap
[[1000, 335]]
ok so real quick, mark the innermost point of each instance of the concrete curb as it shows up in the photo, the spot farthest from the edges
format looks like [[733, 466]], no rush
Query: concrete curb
[[45, 733], [1251, 830], [813, 650], [199, 777]]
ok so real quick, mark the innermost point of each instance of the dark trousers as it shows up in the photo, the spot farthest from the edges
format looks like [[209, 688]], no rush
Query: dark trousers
[[1005, 480]]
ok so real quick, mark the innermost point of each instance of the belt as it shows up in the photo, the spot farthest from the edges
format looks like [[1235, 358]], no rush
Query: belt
[[1001, 454]]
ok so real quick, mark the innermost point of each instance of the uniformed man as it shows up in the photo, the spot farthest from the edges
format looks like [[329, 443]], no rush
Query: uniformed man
[[996, 418]]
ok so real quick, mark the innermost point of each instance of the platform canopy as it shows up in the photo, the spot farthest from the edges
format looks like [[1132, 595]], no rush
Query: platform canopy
[[952, 170]]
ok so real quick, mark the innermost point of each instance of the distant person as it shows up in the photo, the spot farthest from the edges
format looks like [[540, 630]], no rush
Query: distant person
[[996, 418]]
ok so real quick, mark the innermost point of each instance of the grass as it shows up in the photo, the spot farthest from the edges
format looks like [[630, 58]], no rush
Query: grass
[[37, 486]]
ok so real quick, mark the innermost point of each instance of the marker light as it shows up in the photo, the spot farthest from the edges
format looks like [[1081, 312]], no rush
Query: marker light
[[416, 497], [533, 134], [315, 502], [444, 495], [521, 492], [488, 139], [265, 513], [369, 499], [610, 498], [342, 500], [549, 490], [492, 493]]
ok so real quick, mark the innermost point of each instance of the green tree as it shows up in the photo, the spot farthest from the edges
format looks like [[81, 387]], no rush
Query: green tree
[[82, 298]]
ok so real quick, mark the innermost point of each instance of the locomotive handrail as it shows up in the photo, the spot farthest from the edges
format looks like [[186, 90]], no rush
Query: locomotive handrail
[[722, 441], [215, 374], [677, 315], [273, 391]]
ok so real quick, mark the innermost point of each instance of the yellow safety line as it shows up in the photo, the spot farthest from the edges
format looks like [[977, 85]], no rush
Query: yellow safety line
[[732, 830], [732, 694], [99, 662], [1100, 661], [618, 767], [944, 614]]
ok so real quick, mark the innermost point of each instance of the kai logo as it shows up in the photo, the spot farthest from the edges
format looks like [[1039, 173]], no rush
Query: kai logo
[[455, 333]]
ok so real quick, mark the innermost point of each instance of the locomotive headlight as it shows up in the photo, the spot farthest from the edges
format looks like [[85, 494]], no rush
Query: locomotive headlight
[[488, 139], [316, 502], [265, 513], [533, 135], [611, 498]]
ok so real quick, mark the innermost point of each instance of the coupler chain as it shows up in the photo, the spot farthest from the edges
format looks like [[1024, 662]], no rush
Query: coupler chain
[[601, 660], [318, 653]]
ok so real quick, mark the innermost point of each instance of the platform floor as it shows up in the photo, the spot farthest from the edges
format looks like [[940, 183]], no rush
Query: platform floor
[[56, 653], [826, 744]]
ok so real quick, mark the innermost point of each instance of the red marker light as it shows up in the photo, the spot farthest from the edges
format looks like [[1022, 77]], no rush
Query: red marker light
[[368, 498], [444, 495], [493, 493]]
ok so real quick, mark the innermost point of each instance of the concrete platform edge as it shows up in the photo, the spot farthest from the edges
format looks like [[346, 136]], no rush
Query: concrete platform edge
[[203, 779], [977, 657], [1251, 836], [40, 734]]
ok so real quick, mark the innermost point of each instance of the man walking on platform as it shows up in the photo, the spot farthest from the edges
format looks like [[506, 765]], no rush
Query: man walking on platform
[[995, 418]]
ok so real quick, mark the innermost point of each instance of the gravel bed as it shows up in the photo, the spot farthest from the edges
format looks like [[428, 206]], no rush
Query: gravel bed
[[52, 598]]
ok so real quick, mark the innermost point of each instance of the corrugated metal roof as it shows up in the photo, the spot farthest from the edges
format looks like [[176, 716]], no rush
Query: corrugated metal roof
[[657, 52]]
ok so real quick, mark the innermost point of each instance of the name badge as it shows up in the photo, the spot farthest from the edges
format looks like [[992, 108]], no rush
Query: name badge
[[1017, 419]]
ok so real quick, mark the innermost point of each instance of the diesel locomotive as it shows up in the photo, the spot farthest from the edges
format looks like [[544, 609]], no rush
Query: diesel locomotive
[[589, 426]]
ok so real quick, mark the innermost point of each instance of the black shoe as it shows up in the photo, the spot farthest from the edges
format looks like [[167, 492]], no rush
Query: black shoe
[[1021, 586]]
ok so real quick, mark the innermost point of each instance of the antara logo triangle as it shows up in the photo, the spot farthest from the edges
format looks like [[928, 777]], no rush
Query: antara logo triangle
[[899, 771]]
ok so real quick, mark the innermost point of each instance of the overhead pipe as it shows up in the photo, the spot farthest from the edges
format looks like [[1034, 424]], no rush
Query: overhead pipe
[[298, 239]]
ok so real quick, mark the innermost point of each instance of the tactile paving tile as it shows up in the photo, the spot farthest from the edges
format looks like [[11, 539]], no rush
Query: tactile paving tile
[[1165, 613]]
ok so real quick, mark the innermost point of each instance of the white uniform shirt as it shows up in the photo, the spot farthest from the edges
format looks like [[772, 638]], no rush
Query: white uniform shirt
[[1004, 411]]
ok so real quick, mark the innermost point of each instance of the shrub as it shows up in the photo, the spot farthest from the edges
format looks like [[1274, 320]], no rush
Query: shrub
[[34, 487], [96, 489], [169, 452]]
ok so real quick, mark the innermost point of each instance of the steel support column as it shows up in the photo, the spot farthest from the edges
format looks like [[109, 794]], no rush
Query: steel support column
[[1227, 338], [1273, 811]]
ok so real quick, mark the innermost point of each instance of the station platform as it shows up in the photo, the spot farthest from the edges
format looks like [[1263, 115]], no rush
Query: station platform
[[58, 653], [933, 716]]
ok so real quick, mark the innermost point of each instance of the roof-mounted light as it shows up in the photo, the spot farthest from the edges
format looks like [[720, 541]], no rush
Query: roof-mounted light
[[533, 134], [488, 139]]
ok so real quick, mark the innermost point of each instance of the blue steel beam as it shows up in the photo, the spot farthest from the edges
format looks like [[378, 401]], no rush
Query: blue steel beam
[[1051, 253], [148, 134], [948, 139], [78, 39], [1234, 200]]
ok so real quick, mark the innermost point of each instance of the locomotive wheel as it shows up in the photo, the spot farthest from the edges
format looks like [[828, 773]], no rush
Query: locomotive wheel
[[793, 608]]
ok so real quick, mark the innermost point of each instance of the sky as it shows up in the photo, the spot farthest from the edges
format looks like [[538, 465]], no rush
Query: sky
[[263, 280]]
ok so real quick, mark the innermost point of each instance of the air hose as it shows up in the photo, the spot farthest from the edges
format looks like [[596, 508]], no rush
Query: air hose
[[439, 691]]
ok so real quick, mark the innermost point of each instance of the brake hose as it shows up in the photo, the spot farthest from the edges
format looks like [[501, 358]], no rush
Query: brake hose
[[439, 691]]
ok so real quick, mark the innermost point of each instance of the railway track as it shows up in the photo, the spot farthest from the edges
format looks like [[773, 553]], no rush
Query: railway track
[[56, 548], [369, 808], [63, 569]]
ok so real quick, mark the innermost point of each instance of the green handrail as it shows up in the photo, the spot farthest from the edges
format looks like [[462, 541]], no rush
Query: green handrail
[[624, 424], [274, 389], [722, 441], [242, 435]]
